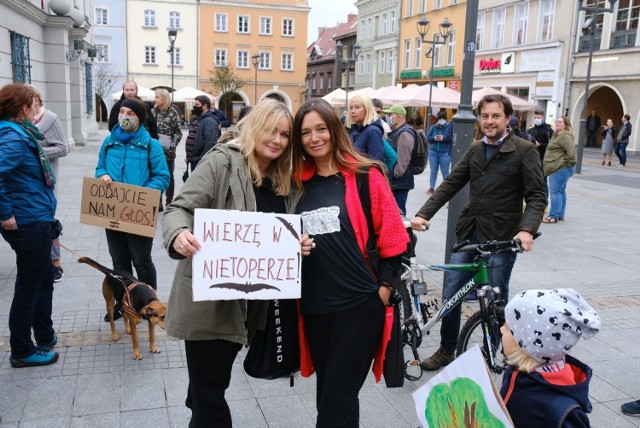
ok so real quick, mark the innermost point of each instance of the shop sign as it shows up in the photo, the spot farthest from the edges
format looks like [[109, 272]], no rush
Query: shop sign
[[490, 65], [508, 62], [411, 74], [442, 72]]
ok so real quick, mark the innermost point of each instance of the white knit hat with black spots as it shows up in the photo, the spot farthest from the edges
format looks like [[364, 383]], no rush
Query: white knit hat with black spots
[[546, 324]]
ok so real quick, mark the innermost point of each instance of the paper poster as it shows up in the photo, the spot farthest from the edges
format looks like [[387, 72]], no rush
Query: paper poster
[[462, 395], [121, 207], [246, 255]]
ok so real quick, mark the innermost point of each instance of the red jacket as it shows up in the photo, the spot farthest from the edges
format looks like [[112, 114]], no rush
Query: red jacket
[[392, 241]]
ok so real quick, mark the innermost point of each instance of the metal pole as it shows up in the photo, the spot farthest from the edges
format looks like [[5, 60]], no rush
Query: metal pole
[[583, 116], [464, 121], [255, 88], [427, 118], [173, 64], [346, 89]]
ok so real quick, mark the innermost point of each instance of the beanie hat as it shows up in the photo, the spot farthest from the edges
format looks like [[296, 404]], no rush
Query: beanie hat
[[546, 324], [514, 122], [442, 115], [138, 108]]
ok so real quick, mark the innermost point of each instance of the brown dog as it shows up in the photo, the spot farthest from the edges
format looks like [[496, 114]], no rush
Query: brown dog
[[138, 299]]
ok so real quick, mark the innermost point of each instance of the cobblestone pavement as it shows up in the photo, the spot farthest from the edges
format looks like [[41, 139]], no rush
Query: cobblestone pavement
[[96, 383]]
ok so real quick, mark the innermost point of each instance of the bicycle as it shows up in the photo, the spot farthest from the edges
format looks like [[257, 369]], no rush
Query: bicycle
[[418, 316]]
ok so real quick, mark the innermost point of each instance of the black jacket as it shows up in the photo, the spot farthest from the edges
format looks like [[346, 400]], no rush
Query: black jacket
[[497, 188], [222, 119], [542, 135], [207, 136], [150, 123]]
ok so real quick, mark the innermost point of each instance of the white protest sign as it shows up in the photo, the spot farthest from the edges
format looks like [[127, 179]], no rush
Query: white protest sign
[[462, 395], [246, 255]]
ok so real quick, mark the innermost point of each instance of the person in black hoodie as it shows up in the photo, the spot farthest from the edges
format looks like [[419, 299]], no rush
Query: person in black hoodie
[[541, 132], [208, 131], [545, 387], [130, 90], [366, 128]]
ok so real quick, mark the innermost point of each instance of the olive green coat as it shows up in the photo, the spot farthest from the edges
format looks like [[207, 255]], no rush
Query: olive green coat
[[561, 152]]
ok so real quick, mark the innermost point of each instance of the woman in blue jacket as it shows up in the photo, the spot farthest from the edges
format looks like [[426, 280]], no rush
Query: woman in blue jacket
[[129, 155], [366, 128], [27, 208]]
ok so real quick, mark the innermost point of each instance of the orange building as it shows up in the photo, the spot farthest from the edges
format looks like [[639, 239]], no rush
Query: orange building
[[269, 33]]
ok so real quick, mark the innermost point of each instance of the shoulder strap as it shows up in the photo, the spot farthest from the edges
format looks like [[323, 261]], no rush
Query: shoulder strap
[[362, 181]]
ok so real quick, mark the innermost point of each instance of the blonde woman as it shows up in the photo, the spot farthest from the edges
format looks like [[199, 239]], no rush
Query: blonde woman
[[250, 173], [169, 133], [559, 166], [365, 127], [608, 138]]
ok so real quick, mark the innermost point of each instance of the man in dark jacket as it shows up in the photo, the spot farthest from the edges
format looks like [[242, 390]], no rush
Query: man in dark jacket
[[208, 131], [402, 138], [593, 127], [541, 132], [501, 170], [514, 126], [130, 90], [222, 119]]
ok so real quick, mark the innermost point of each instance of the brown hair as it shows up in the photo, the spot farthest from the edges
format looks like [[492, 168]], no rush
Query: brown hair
[[344, 154], [567, 126], [13, 97], [507, 107]]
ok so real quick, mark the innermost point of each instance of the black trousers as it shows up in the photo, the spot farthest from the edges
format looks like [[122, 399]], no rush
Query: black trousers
[[342, 347], [209, 364], [127, 248]]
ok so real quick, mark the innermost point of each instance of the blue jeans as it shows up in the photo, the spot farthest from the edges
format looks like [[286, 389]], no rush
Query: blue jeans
[[400, 195], [439, 159], [621, 152], [33, 295], [558, 191], [126, 248], [500, 267]]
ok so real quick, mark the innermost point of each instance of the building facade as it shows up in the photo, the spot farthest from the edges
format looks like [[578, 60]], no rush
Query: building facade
[[50, 50], [378, 30]]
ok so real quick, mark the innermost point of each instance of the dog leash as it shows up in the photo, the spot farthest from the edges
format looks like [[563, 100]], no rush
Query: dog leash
[[56, 242]]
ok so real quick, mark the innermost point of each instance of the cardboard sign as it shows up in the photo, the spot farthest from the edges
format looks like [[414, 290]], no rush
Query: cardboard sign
[[246, 255], [463, 394], [120, 206]]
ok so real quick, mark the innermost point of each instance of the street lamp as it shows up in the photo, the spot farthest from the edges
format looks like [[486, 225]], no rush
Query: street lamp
[[255, 59], [445, 30], [345, 63], [591, 28], [173, 34]]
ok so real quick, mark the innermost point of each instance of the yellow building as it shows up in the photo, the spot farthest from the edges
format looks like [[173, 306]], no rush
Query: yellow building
[[235, 32], [413, 65]]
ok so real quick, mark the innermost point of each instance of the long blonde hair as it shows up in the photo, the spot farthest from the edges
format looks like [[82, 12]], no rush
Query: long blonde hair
[[165, 101], [260, 125], [370, 115]]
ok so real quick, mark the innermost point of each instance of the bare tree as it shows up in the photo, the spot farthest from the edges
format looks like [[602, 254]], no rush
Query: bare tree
[[225, 81], [104, 78]]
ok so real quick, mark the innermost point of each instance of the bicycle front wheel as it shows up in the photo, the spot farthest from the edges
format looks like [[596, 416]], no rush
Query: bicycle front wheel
[[490, 343]]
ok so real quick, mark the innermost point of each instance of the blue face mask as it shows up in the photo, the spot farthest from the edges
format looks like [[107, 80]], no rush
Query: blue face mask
[[537, 121], [442, 122]]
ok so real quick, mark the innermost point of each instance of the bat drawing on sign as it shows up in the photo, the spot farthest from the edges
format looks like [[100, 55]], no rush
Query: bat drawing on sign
[[289, 227], [245, 288]]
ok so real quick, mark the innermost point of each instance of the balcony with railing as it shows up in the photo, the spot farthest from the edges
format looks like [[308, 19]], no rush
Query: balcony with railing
[[623, 38], [583, 45]]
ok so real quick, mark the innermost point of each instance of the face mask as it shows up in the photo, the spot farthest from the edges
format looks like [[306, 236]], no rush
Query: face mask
[[537, 122], [197, 110], [390, 120], [128, 123], [442, 122]]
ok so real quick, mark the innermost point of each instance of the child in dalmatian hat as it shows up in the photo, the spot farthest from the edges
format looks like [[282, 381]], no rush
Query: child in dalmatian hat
[[543, 385]]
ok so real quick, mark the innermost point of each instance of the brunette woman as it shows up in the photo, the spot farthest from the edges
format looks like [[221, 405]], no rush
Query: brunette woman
[[559, 166]]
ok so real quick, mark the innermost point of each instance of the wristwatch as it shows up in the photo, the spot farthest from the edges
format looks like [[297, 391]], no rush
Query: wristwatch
[[395, 297]]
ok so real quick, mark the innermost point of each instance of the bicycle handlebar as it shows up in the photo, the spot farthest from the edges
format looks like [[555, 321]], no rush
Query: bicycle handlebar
[[491, 246], [407, 225]]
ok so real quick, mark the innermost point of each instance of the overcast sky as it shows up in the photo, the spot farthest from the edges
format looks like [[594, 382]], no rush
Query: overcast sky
[[327, 13]]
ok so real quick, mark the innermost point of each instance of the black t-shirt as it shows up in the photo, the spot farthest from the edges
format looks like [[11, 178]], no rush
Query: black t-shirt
[[335, 276], [266, 199]]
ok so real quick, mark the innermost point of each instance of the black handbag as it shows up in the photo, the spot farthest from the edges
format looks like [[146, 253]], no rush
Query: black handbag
[[275, 351]]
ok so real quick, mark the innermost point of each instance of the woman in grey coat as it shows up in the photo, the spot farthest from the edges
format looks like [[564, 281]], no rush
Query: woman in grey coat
[[229, 177], [55, 146]]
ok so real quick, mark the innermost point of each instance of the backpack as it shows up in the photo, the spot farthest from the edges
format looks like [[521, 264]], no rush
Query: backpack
[[419, 155]]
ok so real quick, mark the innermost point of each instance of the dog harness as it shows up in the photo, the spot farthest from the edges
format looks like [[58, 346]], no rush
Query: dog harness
[[135, 299]]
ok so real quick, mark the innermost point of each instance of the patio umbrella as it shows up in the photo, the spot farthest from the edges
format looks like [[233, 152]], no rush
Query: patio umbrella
[[340, 101], [386, 92], [188, 94], [145, 94], [518, 103], [418, 96], [338, 94]]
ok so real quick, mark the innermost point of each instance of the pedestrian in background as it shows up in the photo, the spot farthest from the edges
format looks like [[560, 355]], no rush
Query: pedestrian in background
[[439, 150], [366, 128], [593, 126], [402, 139], [27, 210], [608, 138], [129, 155], [130, 90], [207, 132], [55, 146], [623, 140], [169, 134], [559, 166], [343, 303]]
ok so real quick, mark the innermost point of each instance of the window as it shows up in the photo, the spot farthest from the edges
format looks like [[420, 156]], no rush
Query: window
[[382, 58], [265, 61], [437, 50], [423, 6], [149, 18], [88, 86], [313, 84], [220, 57], [628, 14], [150, 55], [287, 62], [437, 4], [547, 13], [409, 8], [176, 57], [321, 82], [174, 20], [369, 28], [20, 58], [242, 59], [520, 30], [102, 17], [407, 54], [418, 57], [451, 48], [287, 27], [392, 21], [221, 23], [497, 38], [480, 31], [243, 24], [361, 63], [265, 25], [390, 61], [383, 24], [368, 63], [454, 2], [102, 53], [329, 80]]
